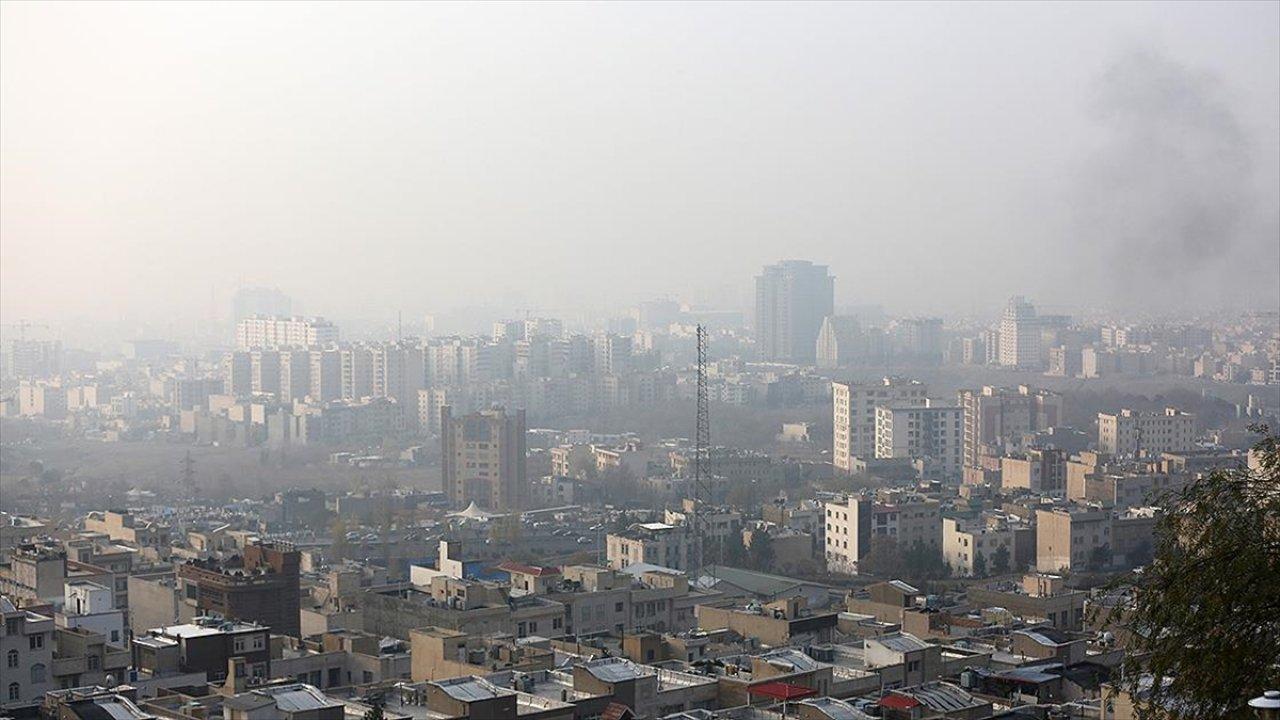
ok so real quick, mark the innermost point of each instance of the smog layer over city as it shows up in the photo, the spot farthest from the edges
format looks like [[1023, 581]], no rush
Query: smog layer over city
[[663, 361]]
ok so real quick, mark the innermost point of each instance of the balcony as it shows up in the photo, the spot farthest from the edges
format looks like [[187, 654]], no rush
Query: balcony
[[64, 666], [116, 660]]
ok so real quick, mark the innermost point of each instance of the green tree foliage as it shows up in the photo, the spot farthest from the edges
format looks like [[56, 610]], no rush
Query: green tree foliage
[[623, 488], [883, 559], [1205, 612], [743, 494], [761, 552], [924, 563], [731, 551], [917, 564], [1000, 560], [375, 711], [979, 565], [1099, 558], [340, 547]]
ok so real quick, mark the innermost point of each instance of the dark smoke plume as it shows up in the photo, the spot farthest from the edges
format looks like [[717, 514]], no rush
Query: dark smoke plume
[[1166, 201]]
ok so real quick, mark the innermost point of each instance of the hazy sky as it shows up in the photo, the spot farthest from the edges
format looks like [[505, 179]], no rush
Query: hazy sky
[[372, 157]]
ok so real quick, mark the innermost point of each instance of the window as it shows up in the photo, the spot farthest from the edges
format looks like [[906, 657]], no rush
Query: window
[[37, 674], [13, 626], [12, 659], [36, 641], [14, 691]]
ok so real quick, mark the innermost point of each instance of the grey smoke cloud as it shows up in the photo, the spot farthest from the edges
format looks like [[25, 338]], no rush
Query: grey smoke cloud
[[376, 158], [1167, 198]]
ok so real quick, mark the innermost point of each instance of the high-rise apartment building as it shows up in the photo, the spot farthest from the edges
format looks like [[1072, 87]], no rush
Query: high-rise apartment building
[[482, 458], [30, 359], [264, 369], [792, 299], [657, 314], [251, 301], [840, 341], [1020, 335], [325, 375], [612, 353], [1130, 432], [927, 432], [271, 331], [237, 373], [854, 414], [919, 337], [993, 415], [973, 351], [357, 371], [295, 375]]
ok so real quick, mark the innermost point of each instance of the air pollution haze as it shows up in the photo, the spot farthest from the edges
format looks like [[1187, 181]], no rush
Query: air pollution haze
[[369, 158], [1169, 201], [494, 360]]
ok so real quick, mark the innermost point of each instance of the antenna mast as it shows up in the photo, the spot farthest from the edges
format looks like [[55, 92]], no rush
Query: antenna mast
[[701, 457]]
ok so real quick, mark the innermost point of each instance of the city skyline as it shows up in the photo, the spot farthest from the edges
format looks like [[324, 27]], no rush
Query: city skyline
[[645, 361]]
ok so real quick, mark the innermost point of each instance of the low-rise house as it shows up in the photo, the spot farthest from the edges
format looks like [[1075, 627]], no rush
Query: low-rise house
[[648, 691], [204, 646], [84, 657], [780, 623], [903, 659], [1038, 596], [26, 654], [294, 701], [475, 698], [443, 653], [93, 703], [933, 700], [1046, 643]]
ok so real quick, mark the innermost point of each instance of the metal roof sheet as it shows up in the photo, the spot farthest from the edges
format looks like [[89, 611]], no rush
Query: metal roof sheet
[[470, 688]]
